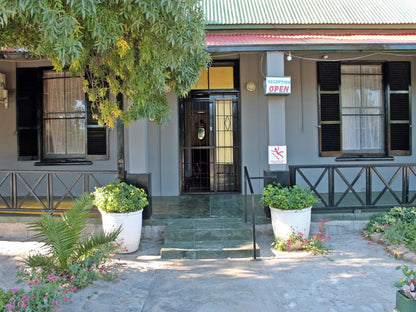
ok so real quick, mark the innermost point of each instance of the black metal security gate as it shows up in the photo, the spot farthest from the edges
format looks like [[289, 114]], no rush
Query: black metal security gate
[[210, 142]]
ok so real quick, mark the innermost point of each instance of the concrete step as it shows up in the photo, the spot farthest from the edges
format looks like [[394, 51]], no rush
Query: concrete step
[[208, 239]]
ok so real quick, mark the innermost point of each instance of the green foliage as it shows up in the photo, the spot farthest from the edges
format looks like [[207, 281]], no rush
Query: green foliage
[[120, 197], [288, 198], [297, 241], [398, 226], [43, 295], [130, 47], [64, 240]]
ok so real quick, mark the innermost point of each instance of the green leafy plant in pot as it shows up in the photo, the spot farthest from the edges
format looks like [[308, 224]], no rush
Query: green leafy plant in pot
[[121, 205], [290, 209]]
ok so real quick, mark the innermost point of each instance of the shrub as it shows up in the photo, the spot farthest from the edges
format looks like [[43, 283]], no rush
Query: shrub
[[288, 198], [398, 226], [120, 197]]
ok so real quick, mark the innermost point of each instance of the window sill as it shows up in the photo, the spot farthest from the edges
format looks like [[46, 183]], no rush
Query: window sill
[[59, 162], [364, 158]]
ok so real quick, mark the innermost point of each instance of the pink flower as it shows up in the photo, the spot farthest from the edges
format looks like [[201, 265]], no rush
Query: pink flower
[[25, 298], [14, 289], [24, 305], [65, 298], [326, 220], [74, 289], [66, 291], [33, 297], [316, 220], [329, 237], [46, 297], [35, 281], [51, 278], [54, 303]]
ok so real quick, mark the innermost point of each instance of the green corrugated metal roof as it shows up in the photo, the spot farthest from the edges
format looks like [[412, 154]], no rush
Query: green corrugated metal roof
[[309, 12]]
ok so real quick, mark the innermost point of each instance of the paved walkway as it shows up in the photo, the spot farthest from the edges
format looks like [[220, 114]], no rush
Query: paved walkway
[[355, 276]]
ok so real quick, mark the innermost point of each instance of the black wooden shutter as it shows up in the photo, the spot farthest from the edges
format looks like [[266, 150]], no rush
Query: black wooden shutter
[[97, 136], [28, 110], [398, 99], [329, 79]]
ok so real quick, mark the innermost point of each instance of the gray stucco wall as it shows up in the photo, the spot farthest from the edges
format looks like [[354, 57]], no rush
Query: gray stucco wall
[[154, 149]]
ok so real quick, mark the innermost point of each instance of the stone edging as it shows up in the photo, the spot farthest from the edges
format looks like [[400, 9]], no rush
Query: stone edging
[[399, 252]]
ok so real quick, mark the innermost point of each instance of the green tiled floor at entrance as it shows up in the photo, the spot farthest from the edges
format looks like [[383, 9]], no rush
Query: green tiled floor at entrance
[[203, 206]]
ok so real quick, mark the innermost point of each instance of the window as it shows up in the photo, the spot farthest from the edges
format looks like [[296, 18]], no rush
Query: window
[[63, 116], [364, 109], [53, 120]]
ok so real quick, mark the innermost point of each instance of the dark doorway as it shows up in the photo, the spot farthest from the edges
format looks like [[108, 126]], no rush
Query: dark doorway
[[210, 142]]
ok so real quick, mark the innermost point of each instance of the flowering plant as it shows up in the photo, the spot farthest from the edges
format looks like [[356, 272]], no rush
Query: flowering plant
[[296, 241], [408, 283]]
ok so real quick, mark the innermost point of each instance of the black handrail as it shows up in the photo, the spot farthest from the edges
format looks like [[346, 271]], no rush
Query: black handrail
[[247, 180]]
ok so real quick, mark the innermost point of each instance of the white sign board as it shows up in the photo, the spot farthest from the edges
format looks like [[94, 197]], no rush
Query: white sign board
[[277, 86], [277, 155]]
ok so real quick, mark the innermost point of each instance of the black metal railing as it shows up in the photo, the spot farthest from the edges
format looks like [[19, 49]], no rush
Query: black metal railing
[[352, 187], [29, 191], [249, 186], [247, 180]]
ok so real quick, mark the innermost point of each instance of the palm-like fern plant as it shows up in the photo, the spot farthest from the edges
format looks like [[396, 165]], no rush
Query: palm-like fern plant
[[64, 238]]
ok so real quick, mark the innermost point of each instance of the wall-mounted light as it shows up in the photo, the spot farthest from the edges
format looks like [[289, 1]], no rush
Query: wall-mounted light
[[289, 57], [4, 94], [251, 86]]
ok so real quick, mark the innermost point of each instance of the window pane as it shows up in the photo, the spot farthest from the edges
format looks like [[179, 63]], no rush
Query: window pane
[[75, 131], [54, 137], [362, 109], [53, 92], [74, 95], [64, 115], [224, 131], [221, 78]]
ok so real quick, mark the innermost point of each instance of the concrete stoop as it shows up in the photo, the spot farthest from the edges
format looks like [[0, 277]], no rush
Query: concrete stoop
[[208, 239]]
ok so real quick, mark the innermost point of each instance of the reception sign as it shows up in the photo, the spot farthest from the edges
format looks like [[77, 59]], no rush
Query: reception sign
[[277, 86], [277, 155]]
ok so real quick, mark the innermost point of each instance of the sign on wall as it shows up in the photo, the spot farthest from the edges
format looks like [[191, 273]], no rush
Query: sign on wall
[[277, 86], [277, 155]]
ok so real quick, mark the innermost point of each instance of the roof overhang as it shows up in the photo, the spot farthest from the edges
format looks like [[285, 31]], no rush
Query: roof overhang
[[312, 41]]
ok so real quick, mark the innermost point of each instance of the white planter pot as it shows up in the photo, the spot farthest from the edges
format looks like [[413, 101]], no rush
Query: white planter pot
[[285, 222], [131, 228]]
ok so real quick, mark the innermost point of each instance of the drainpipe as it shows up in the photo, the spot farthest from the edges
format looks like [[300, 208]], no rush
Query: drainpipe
[[121, 169]]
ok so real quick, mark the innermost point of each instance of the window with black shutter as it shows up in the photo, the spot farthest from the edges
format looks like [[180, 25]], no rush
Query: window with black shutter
[[53, 121], [398, 98], [364, 109], [28, 98], [329, 108]]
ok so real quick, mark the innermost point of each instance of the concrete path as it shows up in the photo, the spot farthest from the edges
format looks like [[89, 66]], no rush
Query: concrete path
[[355, 276]]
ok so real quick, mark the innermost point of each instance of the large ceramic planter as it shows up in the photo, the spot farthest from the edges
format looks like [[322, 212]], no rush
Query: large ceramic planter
[[285, 222], [404, 304], [131, 228]]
